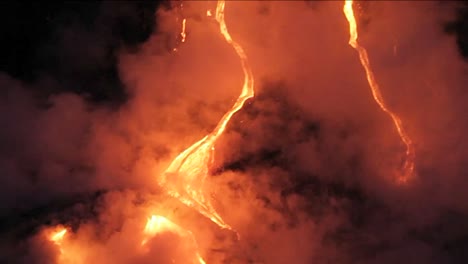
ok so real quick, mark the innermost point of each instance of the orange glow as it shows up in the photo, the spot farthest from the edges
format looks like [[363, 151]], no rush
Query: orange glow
[[182, 33], [58, 235], [184, 178], [408, 166], [159, 224]]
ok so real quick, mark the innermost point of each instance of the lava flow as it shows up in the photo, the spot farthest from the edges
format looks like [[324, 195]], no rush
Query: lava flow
[[184, 178], [158, 224], [408, 166], [182, 33], [57, 237]]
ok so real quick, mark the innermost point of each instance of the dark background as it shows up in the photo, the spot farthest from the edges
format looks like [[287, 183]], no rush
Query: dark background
[[75, 43]]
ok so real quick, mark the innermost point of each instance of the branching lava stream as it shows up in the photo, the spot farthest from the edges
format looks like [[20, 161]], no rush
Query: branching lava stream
[[408, 166], [184, 178]]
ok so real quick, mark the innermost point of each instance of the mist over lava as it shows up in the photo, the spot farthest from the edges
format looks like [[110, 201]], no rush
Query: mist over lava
[[304, 172]]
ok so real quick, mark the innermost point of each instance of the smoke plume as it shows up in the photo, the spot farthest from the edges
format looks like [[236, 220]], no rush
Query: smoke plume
[[305, 172]]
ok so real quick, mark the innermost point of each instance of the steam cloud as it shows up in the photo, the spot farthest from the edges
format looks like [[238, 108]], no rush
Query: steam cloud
[[304, 173]]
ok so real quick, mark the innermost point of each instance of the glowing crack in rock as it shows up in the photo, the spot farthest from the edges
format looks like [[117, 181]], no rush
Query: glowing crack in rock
[[408, 166]]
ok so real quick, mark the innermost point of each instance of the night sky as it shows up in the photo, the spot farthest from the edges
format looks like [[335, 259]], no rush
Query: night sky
[[36, 44], [59, 51], [42, 39]]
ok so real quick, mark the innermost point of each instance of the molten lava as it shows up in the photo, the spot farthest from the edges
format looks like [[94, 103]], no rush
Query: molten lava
[[184, 178], [57, 238], [58, 235], [158, 224], [408, 166], [182, 33]]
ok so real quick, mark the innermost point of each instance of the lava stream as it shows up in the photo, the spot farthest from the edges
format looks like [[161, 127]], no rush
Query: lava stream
[[408, 167], [184, 178], [57, 237], [158, 224], [182, 33]]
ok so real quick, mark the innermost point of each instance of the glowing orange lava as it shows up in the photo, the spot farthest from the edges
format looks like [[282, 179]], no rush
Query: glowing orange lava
[[58, 235], [182, 33], [159, 224], [185, 176], [57, 238], [408, 166]]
